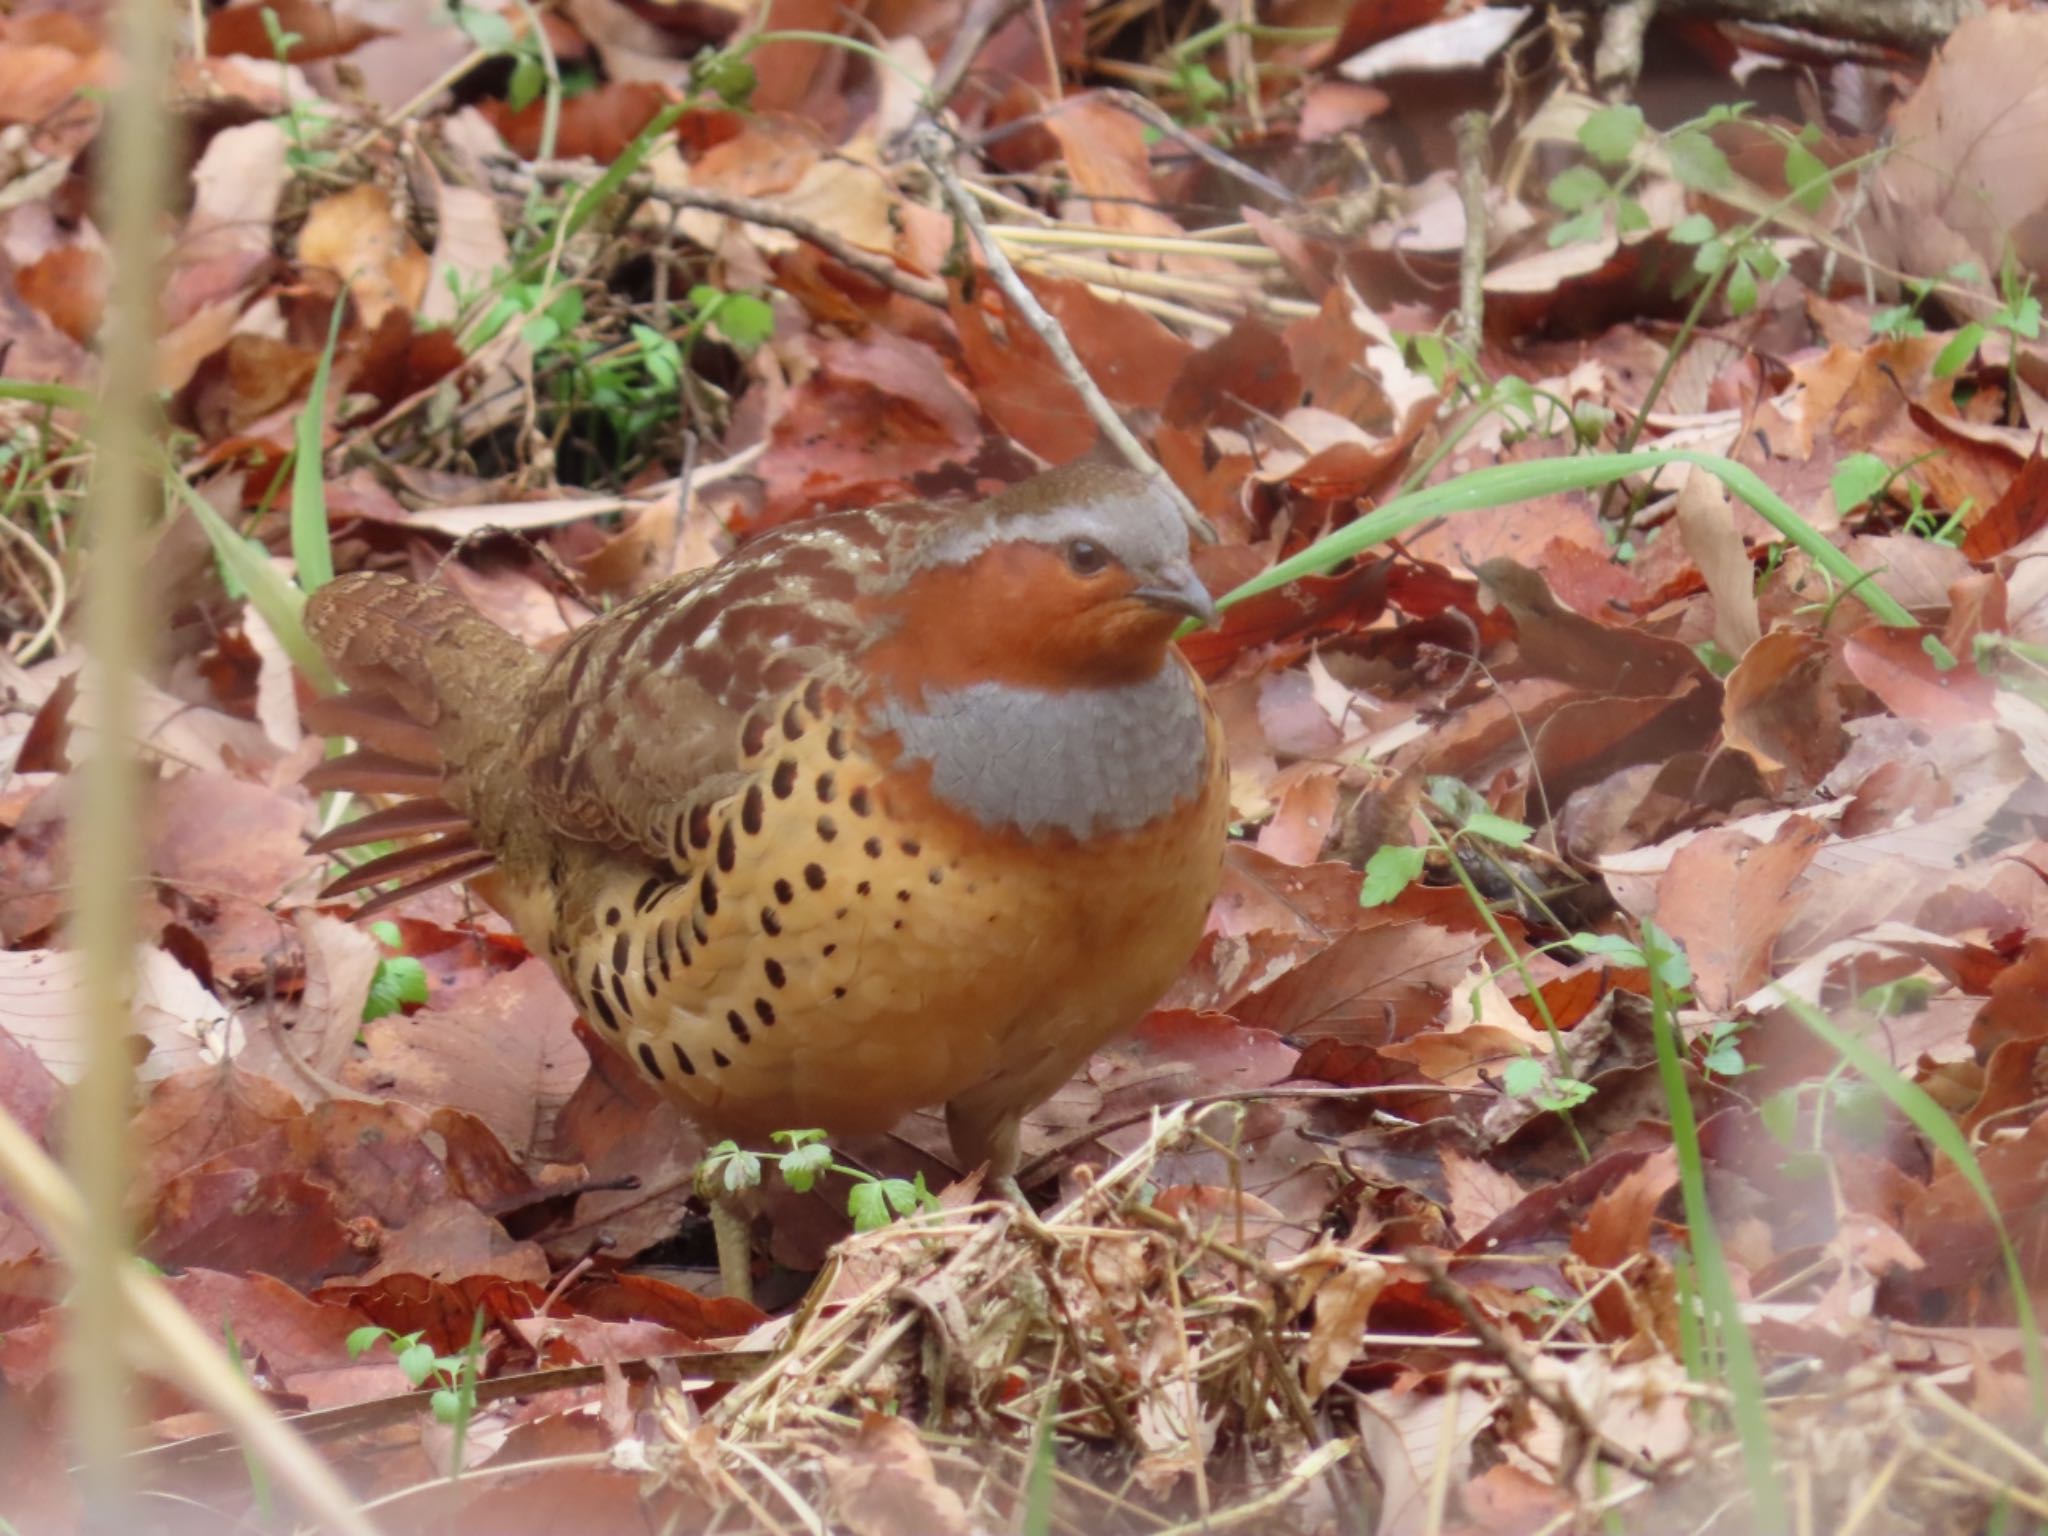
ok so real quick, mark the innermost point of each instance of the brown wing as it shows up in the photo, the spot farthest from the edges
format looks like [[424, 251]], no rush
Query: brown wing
[[637, 719]]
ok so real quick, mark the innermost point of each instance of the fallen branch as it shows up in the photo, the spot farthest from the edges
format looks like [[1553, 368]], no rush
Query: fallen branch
[[935, 148]]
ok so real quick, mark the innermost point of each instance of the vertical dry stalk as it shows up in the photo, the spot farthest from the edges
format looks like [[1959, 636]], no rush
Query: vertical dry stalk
[[104, 826]]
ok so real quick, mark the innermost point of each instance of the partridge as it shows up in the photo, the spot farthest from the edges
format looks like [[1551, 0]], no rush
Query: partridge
[[890, 809]]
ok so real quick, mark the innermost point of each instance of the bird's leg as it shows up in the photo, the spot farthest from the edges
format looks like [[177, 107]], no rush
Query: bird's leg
[[733, 1235], [731, 1232], [994, 1140]]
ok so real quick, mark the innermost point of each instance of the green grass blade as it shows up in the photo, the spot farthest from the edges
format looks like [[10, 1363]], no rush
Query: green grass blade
[[275, 600], [594, 196], [259, 1478], [1716, 1288], [312, 546], [1502, 484], [1036, 1518], [1933, 1122], [62, 396]]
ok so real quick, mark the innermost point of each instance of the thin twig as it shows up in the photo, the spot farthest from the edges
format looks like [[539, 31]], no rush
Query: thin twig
[[1472, 260], [935, 147], [1510, 1354], [749, 210], [451, 76], [1157, 119], [53, 610], [1282, 1493]]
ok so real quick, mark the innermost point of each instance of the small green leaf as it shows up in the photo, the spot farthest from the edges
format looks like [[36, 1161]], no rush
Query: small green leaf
[[1711, 256], [386, 933], [1578, 188], [1630, 216], [1390, 871], [1522, 1077], [1780, 1115], [1698, 162], [1611, 945], [801, 1166], [1672, 968], [417, 1362], [487, 29], [1580, 229], [1515, 393], [1713, 658], [1498, 829], [1609, 134], [398, 980], [1962, 346], [1693, 229], [1908, 994], [1858, 479], [447, 1405], [528, 80], [868, 1207], [1566, 1093], [365, 1338], [742, 1171], [1725, 1061], [1741, 288], [1807, 176], [901, 1195], [728, 76], [744, 320], [1432, 357], [1194, 80]]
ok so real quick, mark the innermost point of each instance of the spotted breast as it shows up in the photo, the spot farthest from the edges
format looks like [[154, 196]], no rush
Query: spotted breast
[[897, 808]]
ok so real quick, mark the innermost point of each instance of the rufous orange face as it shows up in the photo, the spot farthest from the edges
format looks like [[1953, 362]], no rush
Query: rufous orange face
[[1026, 614]]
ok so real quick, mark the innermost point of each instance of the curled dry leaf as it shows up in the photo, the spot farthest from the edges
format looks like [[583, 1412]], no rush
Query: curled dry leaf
[[183, 1024], [1707, 525], [1614, 1238], [1975, 181], [318, 30], [504, 1051], [1896, 665], [341, 960], [1343, 1302], [1725, 898], [1480, 1193], [885, 1484], [356, 236], [1783, 705]]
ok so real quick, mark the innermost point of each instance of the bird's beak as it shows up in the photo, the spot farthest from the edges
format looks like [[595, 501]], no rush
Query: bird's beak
[[1177, 588]]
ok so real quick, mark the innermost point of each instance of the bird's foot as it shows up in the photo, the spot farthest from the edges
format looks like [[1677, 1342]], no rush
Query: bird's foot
[[1025, 1215]]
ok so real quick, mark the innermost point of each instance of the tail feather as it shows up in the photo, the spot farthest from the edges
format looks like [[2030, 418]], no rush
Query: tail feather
[[373, 773], [429, 683], [405, 862], [408, 818], [378, 723], [466, 869]]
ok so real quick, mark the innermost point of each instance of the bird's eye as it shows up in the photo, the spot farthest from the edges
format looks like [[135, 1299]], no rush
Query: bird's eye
[[1085, 557]]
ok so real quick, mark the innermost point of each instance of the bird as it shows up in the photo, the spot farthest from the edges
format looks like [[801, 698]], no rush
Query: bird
[[895, 808]]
